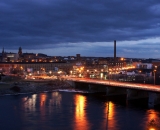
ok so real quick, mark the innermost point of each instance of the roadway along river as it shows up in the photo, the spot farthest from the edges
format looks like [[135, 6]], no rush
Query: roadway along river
[[148, 87]]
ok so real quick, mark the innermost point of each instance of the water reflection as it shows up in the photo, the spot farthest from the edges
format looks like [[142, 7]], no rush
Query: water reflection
[[81, 121], [61, 111], [40, 106], [56, 99], [109, 115], [29, 102], [153, 120], [42, 99]]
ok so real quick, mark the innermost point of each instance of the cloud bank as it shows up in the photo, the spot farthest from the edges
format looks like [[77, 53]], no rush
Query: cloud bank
[[67, 27]]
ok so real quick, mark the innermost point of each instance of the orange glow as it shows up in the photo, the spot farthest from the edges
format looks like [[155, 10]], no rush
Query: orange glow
[[80, 107], [122, 58], [111, 110], [151, 115], [81, 68], [153, 120], [109, 113], [43, 99], [42, 105], [81, 123]]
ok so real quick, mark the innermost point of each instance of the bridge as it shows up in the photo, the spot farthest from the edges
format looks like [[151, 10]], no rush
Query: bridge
[[131, 90]]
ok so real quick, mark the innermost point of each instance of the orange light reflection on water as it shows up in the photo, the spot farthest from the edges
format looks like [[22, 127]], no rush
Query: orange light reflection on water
[[81, 121], [153, 120], [109, 113], [29, 103], [42, 99], [32, 103]]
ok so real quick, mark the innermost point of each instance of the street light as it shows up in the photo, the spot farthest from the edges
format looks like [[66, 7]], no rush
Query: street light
[[155, 75], [50, 72], [109, 77], [110, 71], [71, 73]]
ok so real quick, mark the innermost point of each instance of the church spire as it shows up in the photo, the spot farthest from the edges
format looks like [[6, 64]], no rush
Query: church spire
[[3, 55], [3, 50], [20, 51]]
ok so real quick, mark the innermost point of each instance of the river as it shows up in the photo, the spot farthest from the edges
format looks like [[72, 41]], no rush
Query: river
[[61, 110]]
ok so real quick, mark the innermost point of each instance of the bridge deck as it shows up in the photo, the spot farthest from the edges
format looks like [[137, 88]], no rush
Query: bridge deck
[[147, 87]]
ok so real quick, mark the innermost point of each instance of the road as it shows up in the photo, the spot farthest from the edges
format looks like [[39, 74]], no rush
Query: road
[[147, 87]]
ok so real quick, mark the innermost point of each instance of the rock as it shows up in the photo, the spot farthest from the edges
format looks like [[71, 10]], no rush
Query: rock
[[15, 89]]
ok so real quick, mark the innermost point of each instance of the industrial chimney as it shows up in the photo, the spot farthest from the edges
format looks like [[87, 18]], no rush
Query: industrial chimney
[[114, 52]]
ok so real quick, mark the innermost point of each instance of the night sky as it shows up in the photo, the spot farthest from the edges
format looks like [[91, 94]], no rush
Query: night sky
[[86, 27]]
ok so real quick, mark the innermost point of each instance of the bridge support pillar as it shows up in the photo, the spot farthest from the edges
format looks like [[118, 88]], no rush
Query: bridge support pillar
[[89, 87], [154, 99], [72, 83], [110, 91], [136, 94]]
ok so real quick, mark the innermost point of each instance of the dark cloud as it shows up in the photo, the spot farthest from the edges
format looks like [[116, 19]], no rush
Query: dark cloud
[[51, 23]]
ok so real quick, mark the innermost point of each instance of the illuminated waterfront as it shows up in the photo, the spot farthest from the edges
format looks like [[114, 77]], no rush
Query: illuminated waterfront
[[74, 111]]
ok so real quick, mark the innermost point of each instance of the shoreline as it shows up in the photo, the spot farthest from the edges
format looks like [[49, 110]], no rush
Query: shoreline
[[25, 87]]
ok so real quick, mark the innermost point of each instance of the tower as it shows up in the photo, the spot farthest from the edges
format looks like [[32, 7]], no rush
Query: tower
[[20, 51], [114, 52], [78, 57], [3, 55], [3, 50]]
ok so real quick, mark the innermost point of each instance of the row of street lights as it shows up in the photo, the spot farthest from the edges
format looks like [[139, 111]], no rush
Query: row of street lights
[[111, 71]]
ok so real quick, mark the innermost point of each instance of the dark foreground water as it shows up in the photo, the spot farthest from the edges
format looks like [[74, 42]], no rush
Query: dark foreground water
[[73, 111]]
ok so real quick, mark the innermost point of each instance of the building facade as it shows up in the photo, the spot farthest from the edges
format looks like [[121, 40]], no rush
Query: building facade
[[8, 67]]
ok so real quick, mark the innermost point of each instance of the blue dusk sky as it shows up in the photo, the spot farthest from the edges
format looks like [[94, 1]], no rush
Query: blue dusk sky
[[86, 27]]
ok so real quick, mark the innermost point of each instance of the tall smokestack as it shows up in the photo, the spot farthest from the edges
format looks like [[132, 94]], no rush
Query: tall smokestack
[[114, 52]]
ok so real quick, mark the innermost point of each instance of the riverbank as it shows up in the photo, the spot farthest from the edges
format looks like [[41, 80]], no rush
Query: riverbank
[[28, 86]]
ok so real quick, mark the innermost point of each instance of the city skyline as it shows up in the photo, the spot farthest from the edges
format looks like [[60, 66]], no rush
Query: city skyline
[[89, 28]]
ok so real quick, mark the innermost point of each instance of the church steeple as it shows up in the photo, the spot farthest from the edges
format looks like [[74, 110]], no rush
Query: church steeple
[[20, 51], [3, 51], [3, 55]]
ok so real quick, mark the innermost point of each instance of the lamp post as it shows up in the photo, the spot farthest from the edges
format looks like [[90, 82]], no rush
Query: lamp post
[[109, 77], [109, 71], [154, 77], [155, 74], [88, 76], [144, 79]]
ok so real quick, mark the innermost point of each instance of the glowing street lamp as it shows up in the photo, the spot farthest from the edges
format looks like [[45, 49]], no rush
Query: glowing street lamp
[[71, 72], [122, 58], [155, 74]]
